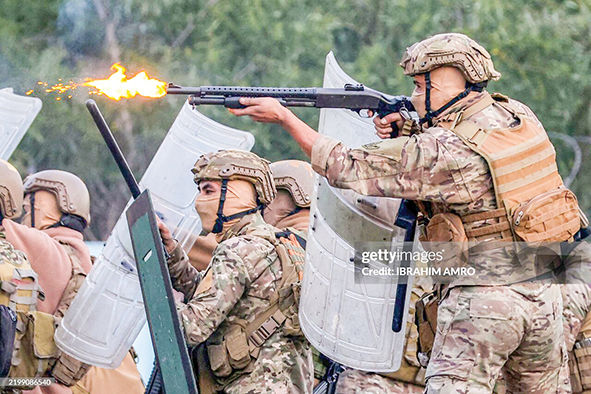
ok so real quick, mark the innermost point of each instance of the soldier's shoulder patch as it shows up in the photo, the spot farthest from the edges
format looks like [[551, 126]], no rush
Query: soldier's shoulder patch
[[499, 97], [390, 148], [371, 146]]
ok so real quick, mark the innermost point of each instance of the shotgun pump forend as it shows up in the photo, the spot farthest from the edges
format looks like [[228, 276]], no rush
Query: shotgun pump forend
[[357, 98]]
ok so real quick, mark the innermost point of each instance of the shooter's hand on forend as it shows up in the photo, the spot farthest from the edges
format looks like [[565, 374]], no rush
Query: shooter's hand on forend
[[261, 109], [383, 125], [166, 235]]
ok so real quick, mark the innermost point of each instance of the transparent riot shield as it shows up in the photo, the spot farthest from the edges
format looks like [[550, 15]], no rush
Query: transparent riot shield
[[16, 115], [351, 319], [108, 313]]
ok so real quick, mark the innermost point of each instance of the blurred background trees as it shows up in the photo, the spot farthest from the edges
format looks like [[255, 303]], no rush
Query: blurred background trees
[[541, 47]]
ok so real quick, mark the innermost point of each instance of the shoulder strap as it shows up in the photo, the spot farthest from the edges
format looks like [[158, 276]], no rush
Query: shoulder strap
[[76, 279]]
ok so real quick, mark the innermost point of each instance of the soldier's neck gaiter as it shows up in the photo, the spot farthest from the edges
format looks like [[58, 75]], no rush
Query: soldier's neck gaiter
[[446, 83], [241, 196], [47, 211], [298, 220], [278, 209]]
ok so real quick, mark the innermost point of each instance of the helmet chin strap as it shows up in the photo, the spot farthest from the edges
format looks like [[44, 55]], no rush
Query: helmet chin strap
[[221, 218], [430, 115], [32, 200]]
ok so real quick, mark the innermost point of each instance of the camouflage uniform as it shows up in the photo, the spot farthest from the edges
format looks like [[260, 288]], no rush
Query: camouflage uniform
[[436, 166], [360, 382], [245, 272], [576, 293], [7, 251]]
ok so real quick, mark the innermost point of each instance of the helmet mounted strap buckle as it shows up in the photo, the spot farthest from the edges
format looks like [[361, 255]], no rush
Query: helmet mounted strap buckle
[[221, 218]]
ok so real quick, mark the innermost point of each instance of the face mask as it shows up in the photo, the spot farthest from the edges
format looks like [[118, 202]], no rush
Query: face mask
[[240, 197], [47, 211], [207, 207], [418, 101]]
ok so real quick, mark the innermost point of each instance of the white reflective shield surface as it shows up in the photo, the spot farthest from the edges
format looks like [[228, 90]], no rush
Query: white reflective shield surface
[[108, 313], [349, 321], [16, 115]]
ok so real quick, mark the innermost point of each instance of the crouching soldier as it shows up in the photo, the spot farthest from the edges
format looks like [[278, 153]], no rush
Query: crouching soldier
[[241, 311]]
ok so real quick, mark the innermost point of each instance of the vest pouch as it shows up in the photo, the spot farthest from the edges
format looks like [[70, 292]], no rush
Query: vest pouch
[[583, 359], [218, 360], [7, 333], [37, 351], [426, 321], [575, 375], [446, 235], [237, 346], [550, 217], [289, 307]]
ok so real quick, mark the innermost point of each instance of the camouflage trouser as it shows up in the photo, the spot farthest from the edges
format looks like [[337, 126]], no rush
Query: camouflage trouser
[[353, 381], [485, 331], [576, 293]]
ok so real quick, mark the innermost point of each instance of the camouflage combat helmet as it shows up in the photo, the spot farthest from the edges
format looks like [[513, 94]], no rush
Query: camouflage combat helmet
[[297, 178], [237, 164], [450, 49], [227, 165], [11, 191], [70, 191]]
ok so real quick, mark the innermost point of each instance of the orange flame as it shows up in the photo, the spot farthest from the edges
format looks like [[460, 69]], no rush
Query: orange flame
[[117, 86]]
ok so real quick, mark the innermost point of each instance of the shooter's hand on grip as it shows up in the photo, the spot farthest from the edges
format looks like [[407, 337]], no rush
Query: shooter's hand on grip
[[388, 125]]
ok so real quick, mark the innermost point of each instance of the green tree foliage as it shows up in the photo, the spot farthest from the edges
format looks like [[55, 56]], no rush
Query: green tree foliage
[[540, 46]]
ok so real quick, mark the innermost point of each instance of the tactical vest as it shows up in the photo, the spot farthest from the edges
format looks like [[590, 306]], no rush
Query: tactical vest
[[28, 349], [533, 205], [243, 340]]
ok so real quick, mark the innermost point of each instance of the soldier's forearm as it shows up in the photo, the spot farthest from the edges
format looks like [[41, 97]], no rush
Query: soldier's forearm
[[303, 134], [183, 275]]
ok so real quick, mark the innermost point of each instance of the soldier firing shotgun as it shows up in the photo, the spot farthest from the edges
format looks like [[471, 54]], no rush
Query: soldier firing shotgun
[[358, 98]]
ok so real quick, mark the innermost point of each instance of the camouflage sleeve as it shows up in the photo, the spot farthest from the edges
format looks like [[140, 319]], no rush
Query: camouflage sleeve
[[211, 304], [183, 275], [429, 166]]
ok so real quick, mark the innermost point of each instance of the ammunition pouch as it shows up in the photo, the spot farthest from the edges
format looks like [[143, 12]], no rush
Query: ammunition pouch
[[580, 366], [68, 370], [426, 322], [445, 227], [551, 217], [241, 343], [35, 351], [445, 235]]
